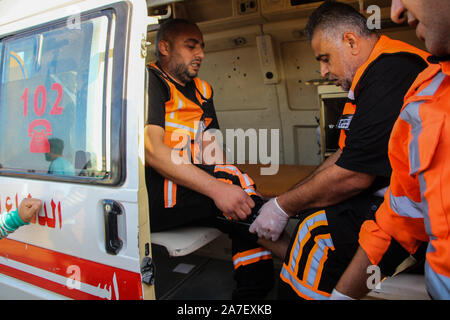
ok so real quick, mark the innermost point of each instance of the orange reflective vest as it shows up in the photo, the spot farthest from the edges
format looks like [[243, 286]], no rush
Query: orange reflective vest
[[184, 123], [417, 204], [384, 45]]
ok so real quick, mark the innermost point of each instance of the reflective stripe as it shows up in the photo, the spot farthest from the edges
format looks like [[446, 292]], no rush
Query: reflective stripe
[[180, 104], [179, 126], [351, 95], [235, 172], [170, 193], [380, 193], [438, 285], [251, 256], [301, 234], [425, 207], [411, 115], [301, 290], [204, 88], [317, 258], [434, 85], [405, 207], [250, 191], [247, 180]]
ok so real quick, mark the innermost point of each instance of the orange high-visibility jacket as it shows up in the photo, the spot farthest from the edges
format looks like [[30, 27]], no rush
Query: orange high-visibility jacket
[[417, 204], [384, 46], [184, 123]]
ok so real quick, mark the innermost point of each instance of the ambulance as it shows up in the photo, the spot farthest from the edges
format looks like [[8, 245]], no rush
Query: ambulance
[[73, 84], [73, 90]]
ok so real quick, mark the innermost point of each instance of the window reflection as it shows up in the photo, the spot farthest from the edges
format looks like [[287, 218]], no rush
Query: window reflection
[[52, 89], [58, 164]]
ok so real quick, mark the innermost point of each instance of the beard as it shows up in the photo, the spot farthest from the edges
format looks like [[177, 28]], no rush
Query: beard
[[181, 72], [345, 82]]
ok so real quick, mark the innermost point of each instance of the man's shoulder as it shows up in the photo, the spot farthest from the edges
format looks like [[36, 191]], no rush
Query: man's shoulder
[[160, 90], [154, 77], [62, 162], [389, 65]]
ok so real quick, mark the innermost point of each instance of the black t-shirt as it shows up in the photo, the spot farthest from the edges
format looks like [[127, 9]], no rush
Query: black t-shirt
[[379, 99], [158, 95]]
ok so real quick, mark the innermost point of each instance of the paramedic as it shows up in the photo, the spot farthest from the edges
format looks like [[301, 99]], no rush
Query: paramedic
[[416, 209], [11, 221], [194, 190], [348, 187]]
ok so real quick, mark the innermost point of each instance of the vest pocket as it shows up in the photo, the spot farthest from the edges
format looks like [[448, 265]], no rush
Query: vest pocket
[[433, 172], [424, 143]]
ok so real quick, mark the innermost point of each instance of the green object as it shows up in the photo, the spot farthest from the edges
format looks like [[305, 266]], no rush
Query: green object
[[13, 220]]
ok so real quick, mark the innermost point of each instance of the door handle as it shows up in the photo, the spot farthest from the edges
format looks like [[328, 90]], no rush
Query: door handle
[[111, 210]]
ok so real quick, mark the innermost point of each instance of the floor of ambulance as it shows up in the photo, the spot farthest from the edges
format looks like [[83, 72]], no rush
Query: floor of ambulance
[[194, 277]]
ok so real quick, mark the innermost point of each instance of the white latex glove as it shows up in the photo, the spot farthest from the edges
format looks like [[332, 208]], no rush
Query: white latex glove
[[270, 222], [336, 295]]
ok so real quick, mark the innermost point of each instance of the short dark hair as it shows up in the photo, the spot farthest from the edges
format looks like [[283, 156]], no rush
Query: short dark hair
[[56, 146], [168, 29], [331, 14]]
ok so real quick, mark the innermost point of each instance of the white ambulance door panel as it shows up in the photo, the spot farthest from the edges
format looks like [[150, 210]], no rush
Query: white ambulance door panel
[[62, 122]]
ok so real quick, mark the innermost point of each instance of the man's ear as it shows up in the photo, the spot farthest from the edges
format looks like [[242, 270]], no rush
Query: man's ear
[[352, 41], [164, 47]]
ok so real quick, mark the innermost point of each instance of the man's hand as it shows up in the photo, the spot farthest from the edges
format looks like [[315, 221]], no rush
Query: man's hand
[[230, 199], [28, 208], [233, 201], [270, 222]]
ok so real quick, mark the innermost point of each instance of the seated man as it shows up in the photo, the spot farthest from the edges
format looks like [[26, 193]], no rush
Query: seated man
[[182, 189]]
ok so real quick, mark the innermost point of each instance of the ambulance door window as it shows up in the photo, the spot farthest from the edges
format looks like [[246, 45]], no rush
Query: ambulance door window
[[54, 100]]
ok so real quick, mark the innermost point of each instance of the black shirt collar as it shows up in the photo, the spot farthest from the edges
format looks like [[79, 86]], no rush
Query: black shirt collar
[[436, 59]]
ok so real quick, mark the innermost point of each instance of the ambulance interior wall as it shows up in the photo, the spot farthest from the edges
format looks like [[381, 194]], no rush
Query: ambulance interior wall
[[242, 99]]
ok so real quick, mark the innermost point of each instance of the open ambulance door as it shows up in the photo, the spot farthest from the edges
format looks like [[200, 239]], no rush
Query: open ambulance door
[[72, 83]]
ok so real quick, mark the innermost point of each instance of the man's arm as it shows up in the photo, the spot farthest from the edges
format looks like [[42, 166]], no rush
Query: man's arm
[[353, 282], [230, 199], [327, 186], [9, 222]]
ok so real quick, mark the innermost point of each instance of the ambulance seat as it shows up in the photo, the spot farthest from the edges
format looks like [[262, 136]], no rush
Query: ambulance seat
[[184, 240]]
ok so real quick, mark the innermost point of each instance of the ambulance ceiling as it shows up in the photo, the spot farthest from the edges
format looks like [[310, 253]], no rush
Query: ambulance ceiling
[[219, 15]]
